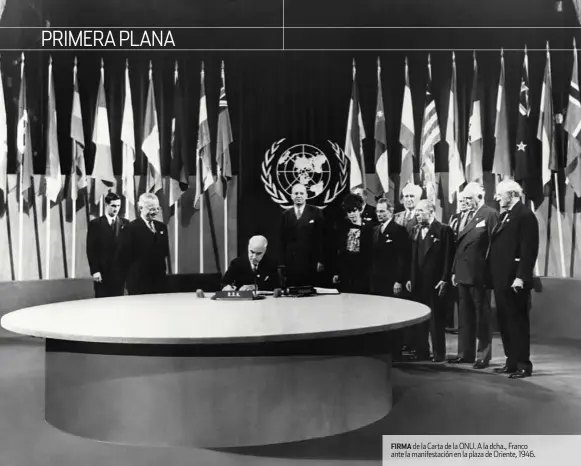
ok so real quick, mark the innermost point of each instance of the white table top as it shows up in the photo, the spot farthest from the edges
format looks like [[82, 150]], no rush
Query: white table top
[[182, 318]]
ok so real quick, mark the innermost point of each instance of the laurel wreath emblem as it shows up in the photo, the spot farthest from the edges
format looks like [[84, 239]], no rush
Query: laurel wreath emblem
[[280, 197]]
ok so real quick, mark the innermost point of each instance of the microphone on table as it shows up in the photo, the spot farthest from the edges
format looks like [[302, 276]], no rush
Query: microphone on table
[[277, 293]]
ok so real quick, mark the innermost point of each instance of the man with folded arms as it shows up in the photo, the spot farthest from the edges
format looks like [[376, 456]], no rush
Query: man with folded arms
[[513, 251], [468, 274], [252, 272]]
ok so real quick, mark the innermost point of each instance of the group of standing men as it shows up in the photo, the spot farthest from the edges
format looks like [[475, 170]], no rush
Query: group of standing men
[[412, 255]]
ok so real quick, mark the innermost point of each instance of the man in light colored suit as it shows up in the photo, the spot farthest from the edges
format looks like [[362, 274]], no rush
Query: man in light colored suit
[[410, 194], [468, 274]]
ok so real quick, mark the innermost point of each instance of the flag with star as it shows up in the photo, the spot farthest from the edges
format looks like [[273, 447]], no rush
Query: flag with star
[[573, 128], [381, 158], [523, 157], [430, 137]]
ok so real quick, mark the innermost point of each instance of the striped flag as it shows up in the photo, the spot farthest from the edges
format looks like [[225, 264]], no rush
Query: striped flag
[[204, 177], [53, 177], [474, 149], [128, 143], [407, 133], [178, 177], [151, 144], [23, 139], [3, 139], [354, 139], [78, 171], [546, 129], [381, 157], [455, 171], [501, 164], [430, 137], [573, 128], [103, 168], [523, 158], [223, 162]]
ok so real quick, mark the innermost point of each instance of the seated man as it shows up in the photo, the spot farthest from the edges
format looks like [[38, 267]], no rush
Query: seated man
[[253, 270]]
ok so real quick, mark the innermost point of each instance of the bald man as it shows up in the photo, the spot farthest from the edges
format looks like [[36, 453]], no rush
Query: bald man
[[253, 270]]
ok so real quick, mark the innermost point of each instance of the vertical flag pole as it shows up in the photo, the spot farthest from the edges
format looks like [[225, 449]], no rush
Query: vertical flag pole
[[177, 202], [225, 191], [47, 245], [21, 178], [560, 226]]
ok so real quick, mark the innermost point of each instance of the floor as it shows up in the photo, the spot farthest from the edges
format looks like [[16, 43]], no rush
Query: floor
[[430, 399]]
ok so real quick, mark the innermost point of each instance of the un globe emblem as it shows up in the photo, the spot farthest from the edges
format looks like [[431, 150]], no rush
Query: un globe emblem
[[307, 165], [304, 164]]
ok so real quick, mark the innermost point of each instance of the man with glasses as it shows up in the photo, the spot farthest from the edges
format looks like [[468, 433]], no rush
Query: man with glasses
[[411, 194], [145, 249]]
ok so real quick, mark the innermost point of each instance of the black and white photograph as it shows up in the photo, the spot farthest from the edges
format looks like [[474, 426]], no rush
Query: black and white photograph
[[290, 232]]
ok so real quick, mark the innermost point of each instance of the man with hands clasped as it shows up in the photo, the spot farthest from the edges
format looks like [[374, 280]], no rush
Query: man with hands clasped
[[511, 257], [432, 255]]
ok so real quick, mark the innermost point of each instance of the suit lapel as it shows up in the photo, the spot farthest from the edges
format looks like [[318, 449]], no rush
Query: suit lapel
[[470, 225], [511, 214], [430, 235]]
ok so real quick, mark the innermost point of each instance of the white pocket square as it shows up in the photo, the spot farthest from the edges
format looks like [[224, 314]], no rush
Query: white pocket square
[[481, 223], [389, 241], [312, 221]]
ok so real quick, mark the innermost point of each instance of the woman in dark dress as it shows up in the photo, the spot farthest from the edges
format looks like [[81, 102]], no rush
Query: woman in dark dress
[[350, 271]]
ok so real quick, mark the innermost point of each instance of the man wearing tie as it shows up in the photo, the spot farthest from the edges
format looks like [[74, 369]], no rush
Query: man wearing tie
[[432, 255], [468, 275], [459, 219], [145, 249], [301, 234], [102, 244], [387, 253], [368, 214], [513, 251], [411, 194], [253, 272]]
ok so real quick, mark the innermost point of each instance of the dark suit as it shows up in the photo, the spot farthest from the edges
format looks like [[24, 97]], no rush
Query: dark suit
[[143, 255], [240, 273], [431, 263], [512, 254], [469, 269], [102, 248], [454, 223], [409, 224], [368, 215], [388, 258], [302, 245]]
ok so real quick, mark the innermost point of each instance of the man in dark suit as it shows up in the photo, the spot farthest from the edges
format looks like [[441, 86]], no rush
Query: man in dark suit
[[102, 245], [387, 253], [144, 250], [468, 274], [432, 255], [458, 220], [301, 235], [252, 272], [511, 258], [410, 195]]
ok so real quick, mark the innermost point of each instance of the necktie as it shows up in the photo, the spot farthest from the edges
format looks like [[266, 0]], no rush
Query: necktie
[[151, 226], [298, 212], [424, 231], [465, 219], [113, 225]]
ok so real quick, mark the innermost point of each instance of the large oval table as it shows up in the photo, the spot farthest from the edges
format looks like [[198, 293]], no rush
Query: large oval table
[[179, 370]]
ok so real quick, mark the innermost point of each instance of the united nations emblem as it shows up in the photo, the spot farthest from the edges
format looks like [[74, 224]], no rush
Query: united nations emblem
[[307, 165]]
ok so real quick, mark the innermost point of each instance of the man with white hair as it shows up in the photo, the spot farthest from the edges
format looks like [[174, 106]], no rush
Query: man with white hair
[[468, 274], [512, 254], [145, 249], [410, 195], [252, 272], [432, 254]]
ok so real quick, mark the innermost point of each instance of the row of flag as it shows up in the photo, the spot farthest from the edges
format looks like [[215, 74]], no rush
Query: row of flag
[[471, 170], [103, 167]]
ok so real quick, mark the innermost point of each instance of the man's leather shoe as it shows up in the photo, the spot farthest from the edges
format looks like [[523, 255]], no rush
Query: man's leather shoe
[[459, 361], [435, 359], [480, 364], [504, 370], [520, 374]]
